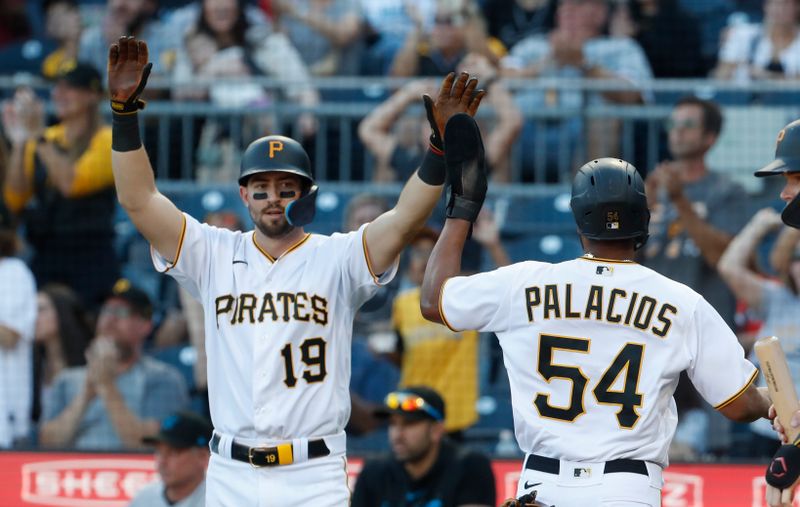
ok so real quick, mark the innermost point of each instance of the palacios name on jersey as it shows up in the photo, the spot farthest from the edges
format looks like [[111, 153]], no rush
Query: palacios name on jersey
[[617, 306], [285, 306]]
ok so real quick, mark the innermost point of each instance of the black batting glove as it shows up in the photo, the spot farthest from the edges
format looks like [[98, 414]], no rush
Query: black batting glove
[[466, 167]]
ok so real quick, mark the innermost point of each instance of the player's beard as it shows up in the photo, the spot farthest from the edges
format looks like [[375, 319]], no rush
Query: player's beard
[[270, 229]]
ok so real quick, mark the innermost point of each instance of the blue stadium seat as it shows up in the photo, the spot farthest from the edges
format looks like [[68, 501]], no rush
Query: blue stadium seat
[[546, 247]]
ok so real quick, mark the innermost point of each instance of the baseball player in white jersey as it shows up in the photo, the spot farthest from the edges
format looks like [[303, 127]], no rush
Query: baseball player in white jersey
[[593, 346], [279, 302]]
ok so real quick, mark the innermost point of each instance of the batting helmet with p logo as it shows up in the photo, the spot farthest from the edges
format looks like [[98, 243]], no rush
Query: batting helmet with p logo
[[283, 154]]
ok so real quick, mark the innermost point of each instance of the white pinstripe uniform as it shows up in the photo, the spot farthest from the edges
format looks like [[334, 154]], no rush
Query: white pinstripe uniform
[[278, 343], [594, 349]]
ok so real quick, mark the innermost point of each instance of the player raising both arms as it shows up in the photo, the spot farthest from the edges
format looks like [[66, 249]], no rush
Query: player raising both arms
[[279, 303], [593, 346]]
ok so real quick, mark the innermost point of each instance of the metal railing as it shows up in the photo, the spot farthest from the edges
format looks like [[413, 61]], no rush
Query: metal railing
[[173, 129]]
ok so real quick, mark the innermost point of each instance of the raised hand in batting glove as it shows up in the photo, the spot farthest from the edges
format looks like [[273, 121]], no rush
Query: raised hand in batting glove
[[466, 167], [526, 500], [455, 96], [128, 70]]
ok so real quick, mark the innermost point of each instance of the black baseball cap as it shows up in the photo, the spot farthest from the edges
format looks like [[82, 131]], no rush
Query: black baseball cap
[[82, 75], [787, 152], [138, 299], [182, 430], [414, 403]]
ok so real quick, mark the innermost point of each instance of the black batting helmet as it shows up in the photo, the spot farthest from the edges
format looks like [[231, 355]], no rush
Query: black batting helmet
[[283, 154], [609, 202], [787, 160]]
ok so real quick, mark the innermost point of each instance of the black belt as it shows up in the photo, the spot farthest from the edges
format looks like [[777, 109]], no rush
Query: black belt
[[553, 466], [270, 456]]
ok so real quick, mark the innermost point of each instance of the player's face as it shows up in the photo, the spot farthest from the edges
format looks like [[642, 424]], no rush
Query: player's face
[[411, 440], [178, 467], [276, 190], [687, 136], [792, 187]]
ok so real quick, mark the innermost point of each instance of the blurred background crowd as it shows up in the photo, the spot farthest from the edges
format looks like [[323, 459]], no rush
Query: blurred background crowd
[[95, 345]]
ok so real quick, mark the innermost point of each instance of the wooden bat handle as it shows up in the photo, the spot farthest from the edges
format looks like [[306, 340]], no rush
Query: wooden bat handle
[[779, 381]]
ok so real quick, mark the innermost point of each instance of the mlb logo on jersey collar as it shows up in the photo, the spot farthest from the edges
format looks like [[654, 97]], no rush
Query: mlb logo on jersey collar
[[605, 270]]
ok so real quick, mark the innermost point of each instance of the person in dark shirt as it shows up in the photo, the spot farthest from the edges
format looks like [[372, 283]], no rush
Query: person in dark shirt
[[425, 468], [511, 21], [59, 182], [669, 36]]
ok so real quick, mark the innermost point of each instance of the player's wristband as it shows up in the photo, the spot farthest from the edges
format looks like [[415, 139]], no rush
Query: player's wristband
[[125, 132], [432, 170], [784, 469]]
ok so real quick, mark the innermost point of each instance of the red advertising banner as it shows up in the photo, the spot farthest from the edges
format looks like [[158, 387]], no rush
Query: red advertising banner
[[111, 480]]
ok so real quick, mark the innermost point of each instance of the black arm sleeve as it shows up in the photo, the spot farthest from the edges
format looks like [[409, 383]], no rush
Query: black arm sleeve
[[477, 481]]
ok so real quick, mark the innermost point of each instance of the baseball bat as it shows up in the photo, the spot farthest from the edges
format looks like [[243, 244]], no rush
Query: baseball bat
[[779, 381]]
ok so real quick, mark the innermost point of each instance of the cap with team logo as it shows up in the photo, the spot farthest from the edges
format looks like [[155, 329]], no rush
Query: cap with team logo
[[182, 430], [83, 76], [787, 152], [138, 299]]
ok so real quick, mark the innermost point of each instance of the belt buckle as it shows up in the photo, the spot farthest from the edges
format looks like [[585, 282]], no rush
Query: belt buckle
[[270, 456]]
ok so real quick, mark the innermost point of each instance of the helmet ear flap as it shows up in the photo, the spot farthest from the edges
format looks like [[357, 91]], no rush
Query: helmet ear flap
[[300, 212]]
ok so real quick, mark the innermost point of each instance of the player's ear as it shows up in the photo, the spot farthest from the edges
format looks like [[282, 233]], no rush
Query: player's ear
[[243, 194]]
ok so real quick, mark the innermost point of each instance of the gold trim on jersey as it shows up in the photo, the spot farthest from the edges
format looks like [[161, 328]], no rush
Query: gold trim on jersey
[[296, 245], [590, 257], [441, 308], [738, 393], [266, 254], [290, 249], [375, 278], [180, 247]]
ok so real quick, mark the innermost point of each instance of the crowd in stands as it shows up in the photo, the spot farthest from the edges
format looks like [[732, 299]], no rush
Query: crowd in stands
[[208, 51], [94, 361]]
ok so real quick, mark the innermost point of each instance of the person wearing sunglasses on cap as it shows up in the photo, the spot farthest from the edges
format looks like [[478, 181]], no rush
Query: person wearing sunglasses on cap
[[425, 467]]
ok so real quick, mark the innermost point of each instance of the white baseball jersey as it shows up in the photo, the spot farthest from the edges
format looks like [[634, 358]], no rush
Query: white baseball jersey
[[593, 350], [277, 330]]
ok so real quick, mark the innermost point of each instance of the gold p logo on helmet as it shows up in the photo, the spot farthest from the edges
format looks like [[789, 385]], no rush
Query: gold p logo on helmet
[[275, 146]]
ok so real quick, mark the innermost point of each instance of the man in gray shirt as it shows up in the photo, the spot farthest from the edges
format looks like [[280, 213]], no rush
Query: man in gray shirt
[[120, 395], [578, 49], [695, 212], [182, 455]]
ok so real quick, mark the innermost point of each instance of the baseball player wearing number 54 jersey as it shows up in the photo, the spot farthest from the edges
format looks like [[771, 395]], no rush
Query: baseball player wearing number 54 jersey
[[278, 302], [593, 346]]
